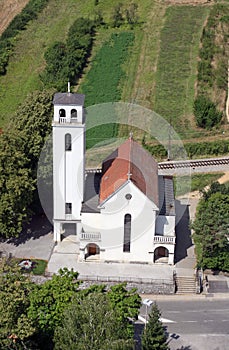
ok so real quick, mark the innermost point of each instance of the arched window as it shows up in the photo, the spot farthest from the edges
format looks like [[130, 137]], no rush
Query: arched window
[[68, 142], [127, 233], [62, 113], [74, 113]]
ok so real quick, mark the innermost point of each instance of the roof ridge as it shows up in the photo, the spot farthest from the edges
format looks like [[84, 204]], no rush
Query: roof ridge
[[129, 164]]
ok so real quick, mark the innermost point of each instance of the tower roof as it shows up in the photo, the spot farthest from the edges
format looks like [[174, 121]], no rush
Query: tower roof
[[67, 98], [130, 162]]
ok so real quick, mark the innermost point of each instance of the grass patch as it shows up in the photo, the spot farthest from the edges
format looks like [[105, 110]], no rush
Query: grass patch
[[28, 59], [182, 184], [38, 266], [177, 63]]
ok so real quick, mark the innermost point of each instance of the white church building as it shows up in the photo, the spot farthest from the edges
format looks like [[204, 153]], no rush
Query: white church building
[[123, 212]]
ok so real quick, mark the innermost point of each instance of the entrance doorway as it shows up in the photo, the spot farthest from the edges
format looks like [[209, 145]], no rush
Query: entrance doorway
[[92, 250], [69, 229], [161, 255]]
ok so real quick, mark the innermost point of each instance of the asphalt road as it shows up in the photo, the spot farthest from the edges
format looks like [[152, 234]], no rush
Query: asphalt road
[[196, 324]]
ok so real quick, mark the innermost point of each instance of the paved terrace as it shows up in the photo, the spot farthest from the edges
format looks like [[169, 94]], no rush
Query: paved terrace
[[66, 254]]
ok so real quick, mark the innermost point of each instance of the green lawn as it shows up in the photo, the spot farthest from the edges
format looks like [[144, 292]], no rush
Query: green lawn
[[198, 182]]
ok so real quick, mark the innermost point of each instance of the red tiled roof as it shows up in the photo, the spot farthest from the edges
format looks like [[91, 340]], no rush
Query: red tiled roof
[[130, 161]]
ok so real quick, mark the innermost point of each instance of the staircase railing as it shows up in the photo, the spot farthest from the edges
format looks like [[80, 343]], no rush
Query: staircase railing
[[199, 280]]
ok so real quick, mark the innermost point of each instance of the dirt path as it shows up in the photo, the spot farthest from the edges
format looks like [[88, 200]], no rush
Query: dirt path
[[8, 10]]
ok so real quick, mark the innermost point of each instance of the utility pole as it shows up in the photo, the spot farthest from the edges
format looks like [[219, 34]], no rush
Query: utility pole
[[227, 103], [169, 140]]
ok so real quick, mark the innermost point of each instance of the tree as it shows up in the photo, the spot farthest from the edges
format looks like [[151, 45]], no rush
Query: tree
[[206, 112], [55, 57], [154, 337], [211, 228], [131, 13], [20, 147], [16, 185], [116, 17], [49, 300], [16, 328], [91, 323], [126, 304], [65, 61]]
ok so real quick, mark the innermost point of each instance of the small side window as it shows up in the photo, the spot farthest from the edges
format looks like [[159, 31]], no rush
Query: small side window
[[74, 113], [68, 208], [68, 142]]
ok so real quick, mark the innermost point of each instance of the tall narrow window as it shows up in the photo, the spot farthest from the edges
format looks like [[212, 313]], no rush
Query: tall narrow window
[[68, 142], [74, 113], [68, 208], [127, 233]]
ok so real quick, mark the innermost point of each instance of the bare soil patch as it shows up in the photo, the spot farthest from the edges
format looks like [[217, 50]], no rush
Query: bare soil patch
[[8, 10], [189, 2]]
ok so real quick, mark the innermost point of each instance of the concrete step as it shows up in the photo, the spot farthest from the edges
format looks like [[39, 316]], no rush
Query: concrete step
[[185, 284]]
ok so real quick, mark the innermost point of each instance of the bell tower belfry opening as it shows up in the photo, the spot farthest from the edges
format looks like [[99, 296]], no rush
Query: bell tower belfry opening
[[68, 131]]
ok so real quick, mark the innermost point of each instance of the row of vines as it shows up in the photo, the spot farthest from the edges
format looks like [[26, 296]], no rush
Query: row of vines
[[193, 150]]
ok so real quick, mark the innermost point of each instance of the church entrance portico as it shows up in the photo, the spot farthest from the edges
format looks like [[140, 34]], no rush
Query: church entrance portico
[[63, 229]]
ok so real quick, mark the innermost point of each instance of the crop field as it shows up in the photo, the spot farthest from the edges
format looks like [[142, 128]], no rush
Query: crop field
[[104, 80], [106, 74], [177, 64]]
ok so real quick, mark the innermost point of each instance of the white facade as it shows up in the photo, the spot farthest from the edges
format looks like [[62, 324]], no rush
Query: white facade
[[68, 161], [110, 224], [126, 226]]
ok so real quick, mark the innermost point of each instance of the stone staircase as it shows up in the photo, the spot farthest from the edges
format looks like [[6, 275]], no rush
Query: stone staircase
[[185, 284]]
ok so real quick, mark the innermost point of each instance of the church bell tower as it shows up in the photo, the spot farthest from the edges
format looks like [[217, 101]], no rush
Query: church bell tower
[[68, 130]]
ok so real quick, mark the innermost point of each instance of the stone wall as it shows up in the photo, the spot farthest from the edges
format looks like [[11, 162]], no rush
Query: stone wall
[[157, 287], [164, 287]]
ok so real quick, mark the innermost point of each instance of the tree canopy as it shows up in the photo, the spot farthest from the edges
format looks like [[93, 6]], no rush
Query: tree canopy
[[91, 323], [154, 337], [58, 312], [211, 228], [16, 327], [20, 147]]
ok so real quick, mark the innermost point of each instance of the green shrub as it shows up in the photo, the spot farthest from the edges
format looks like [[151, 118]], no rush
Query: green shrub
[[206, 113]]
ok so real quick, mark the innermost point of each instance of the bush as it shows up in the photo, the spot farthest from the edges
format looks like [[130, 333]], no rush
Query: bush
[[206, 113]]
